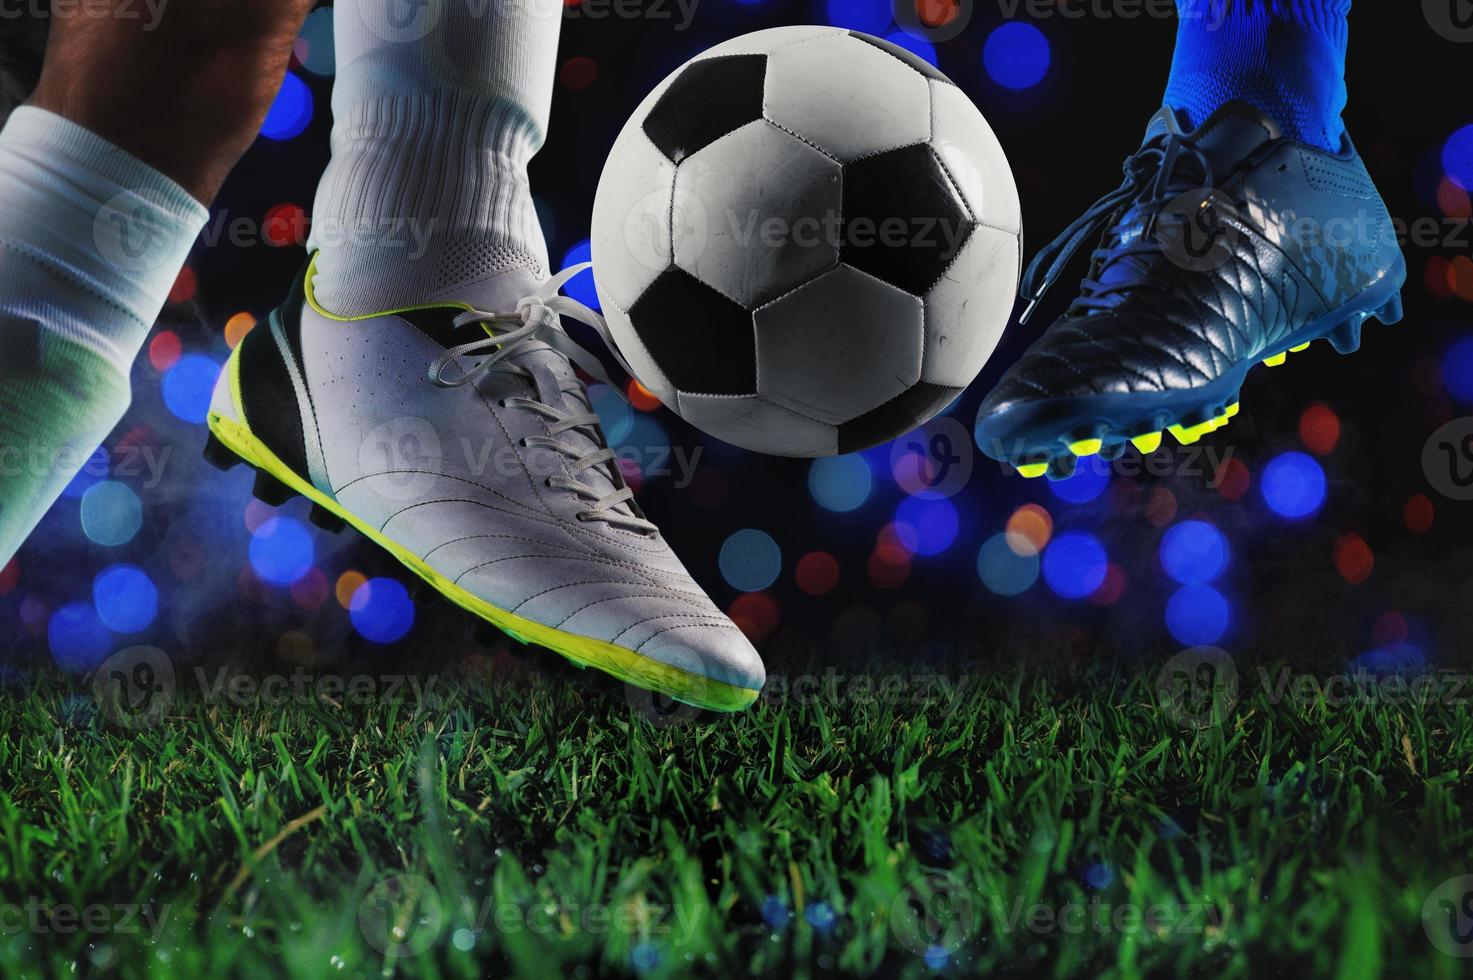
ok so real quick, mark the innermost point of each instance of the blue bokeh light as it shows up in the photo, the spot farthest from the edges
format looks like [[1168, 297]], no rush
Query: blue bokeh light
[[1090, 479], [919, 47], [1197, 615], [1016, 55], [1457, 157], [926, 524], [318, 53], [775, 913], [111, 513], [381, 610], [188, 386], [870, 16], [615, 414], [1074, 565], [581, 287], [281, 551], [840, 483], [1003, 570], [750, 560], [1293, 485], [79, 640], [1194, 552], [647, 444], [291, 112], [1457, 369], [126, 598]]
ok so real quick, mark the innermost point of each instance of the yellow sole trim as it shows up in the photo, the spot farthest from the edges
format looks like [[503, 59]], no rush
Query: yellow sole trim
[[1276, 360], [1147, 444], [619, 662], [1032, 471], [1086, 447]]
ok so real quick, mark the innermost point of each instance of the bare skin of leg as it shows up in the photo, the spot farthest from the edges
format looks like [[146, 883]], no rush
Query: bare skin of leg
[[185, 92]]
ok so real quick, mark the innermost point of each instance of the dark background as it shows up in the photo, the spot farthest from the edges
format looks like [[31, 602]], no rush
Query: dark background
[[1065, 138]]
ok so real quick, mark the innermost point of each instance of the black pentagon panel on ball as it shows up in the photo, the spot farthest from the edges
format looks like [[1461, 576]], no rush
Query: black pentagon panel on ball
[[896, 417], [909, 57], [904, 220], [709, 99], [704, 342]]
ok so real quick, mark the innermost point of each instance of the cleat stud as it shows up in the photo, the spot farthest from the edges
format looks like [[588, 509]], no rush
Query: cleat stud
[[218, 455], [1296, 350], [1346, 337], [1276, 360], [1232, 410], [1086, 447], [1062, 467], [1148, 443], [1392, 312], [326, 519], [269, 490], [1032, 471]]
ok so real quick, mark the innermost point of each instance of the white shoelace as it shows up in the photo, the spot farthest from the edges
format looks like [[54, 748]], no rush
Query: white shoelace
[[537, 319]]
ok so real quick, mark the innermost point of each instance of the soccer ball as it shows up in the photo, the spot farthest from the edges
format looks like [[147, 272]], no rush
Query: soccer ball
[[806, 241]]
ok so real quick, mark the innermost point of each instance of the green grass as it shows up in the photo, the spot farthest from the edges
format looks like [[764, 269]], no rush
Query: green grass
[[563, 833]]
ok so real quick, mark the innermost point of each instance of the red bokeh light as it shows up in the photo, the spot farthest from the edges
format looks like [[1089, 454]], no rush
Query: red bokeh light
[[164, 350], [578, 73], [755, 614], [1353, 558], [285, 225], [817, 573], [1319, 429], [1233, 480], [185, 287], [1418, 514]]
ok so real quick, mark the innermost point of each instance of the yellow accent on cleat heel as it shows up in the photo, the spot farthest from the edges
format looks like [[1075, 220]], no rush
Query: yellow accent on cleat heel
[[1148, 443], [1232, 410], [1086, 447], [1276, 360], [1032, 471], [1303, 346]]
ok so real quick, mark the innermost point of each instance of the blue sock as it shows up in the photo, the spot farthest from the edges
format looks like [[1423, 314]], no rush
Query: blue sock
[[1284, 57]]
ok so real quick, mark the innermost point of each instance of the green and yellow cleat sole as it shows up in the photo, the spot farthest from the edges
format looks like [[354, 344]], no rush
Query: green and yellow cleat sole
[[231, 443]]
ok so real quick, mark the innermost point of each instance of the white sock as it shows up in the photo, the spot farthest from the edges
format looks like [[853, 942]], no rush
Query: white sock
[[435, 119], [91, 241]]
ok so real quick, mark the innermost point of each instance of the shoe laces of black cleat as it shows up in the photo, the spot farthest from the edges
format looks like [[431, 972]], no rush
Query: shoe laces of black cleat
[[1156, 176]]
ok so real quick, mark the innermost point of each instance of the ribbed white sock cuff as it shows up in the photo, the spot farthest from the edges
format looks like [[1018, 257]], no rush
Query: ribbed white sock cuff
[[91, 237]]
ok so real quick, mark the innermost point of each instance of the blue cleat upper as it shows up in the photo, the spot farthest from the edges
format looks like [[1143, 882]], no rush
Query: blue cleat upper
[[1223, 246]]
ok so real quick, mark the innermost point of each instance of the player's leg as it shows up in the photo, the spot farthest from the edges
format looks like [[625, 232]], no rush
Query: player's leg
[[1247, 227], [375, 391], [104, 178], [434, 121], [1284, 58]]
